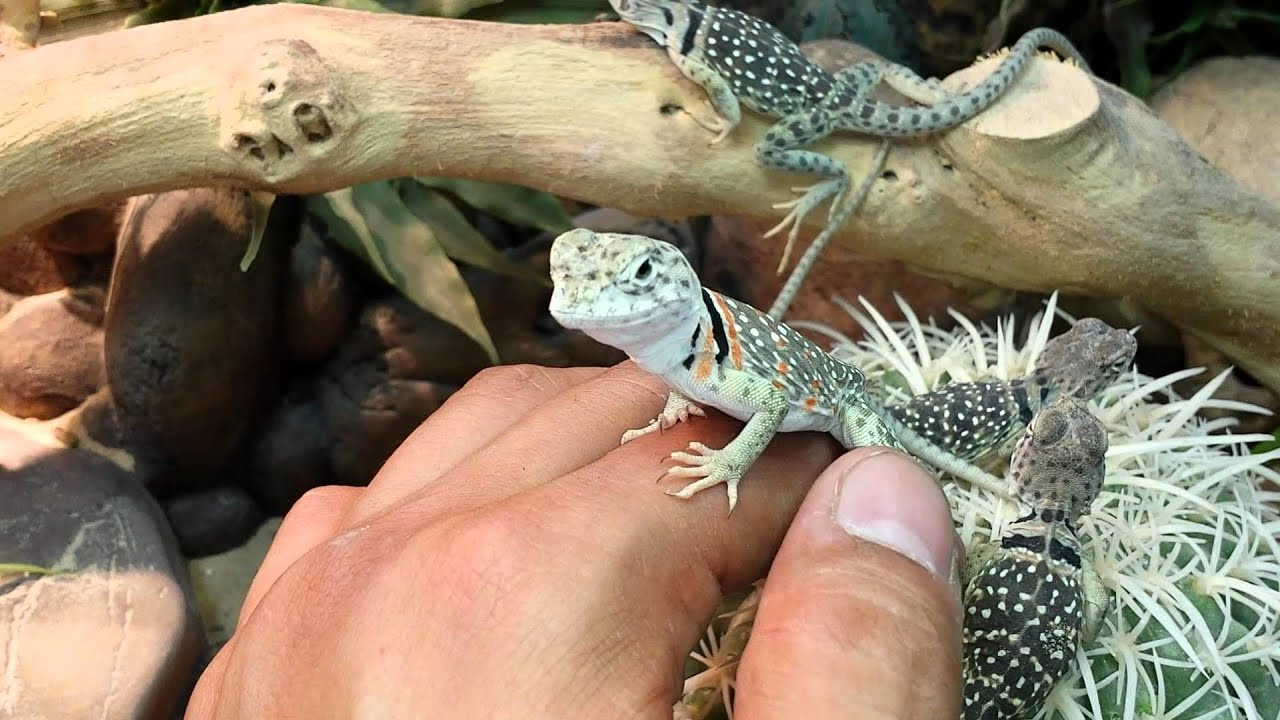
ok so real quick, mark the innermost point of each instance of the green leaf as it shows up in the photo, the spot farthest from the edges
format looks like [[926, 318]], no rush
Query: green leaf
[[163, 11], [365, 5], [26, 569], [1201, 14], [1267, 445], [569, 12], [438, 8], [516, 204], [372, 221], [459, 239]]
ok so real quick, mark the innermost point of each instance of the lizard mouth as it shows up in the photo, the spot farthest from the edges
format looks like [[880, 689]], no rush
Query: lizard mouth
[[571, 319]]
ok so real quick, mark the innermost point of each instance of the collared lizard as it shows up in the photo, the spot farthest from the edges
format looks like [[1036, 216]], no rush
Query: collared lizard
[[1031, 597], [737, 58], [641, 296], [973, 419]]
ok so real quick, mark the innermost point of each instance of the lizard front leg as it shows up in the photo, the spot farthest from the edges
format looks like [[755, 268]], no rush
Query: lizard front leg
[[719, 94], [1097, 600], [678, 409], [728, 464]]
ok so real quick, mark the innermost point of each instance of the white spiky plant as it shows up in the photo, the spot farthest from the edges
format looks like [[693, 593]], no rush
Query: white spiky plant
[[1184, 533]]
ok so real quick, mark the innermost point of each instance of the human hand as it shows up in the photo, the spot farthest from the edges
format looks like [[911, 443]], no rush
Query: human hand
[[511, 560]]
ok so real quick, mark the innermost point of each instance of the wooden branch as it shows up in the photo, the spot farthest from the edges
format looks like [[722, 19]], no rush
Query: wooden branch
[[1067, 183]]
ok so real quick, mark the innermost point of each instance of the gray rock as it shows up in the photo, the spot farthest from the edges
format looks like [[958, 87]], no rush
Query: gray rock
[[213, 520], [116, 635], [50, 355], [222, 582]]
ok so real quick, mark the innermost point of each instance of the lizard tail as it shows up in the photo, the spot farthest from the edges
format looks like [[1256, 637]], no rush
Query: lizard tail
[[981, 96]]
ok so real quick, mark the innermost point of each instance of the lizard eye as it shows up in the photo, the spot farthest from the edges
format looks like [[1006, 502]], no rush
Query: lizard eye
[[643, 272]]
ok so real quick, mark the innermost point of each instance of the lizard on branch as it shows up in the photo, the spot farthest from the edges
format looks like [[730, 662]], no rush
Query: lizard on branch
[[737, 58]]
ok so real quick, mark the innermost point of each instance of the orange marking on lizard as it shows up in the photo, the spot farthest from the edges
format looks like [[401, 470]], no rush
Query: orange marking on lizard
[[778, 384], [810, 403], [731, 329], [703, 371], [783, 367], [815, 384]]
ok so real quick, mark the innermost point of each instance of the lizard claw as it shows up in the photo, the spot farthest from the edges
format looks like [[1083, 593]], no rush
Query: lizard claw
[[721, 127], [708, 464], [667, 419], [793, 220]]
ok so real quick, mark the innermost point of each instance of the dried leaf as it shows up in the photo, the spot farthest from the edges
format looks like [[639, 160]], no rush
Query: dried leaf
[[460, 240], [372, 221], [513, 203]]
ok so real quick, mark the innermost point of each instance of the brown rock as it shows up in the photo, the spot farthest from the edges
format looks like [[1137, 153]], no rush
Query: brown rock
[[86, 232], [1226, 108], [50, 355], [28, 268], [7, 300], [340, 427], [190, 339], [117, 635], [317, 310]]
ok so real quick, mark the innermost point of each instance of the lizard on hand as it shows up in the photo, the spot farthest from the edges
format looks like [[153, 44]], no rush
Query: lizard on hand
[[737, 58], [641, 296], [1030, 598]]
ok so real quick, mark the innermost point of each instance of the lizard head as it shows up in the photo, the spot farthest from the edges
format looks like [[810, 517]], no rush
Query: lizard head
[[659, 19], [1085, 359], [628, 291], [1058, 466]]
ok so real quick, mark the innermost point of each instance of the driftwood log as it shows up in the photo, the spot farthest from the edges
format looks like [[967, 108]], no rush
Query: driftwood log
[[1067, 183]]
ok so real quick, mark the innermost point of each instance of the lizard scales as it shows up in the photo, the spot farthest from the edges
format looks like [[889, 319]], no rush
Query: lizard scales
[[641, 296], [737, 58], [1031, 598], [974, 419]]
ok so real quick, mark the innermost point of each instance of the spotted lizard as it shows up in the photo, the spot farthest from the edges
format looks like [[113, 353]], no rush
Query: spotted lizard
[[641, 296], [973, 419], [737, 58], [1031, 597]]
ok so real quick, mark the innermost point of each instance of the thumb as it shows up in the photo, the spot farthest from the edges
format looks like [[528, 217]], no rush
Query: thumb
[[860, 615]]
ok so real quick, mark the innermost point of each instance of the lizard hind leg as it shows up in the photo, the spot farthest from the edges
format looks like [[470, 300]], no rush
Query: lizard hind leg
[[779, 150]]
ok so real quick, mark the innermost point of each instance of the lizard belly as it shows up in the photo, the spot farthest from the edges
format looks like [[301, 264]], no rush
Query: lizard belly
[[799, 418]]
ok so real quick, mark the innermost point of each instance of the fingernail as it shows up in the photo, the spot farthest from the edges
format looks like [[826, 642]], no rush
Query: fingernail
[[889, 500]]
